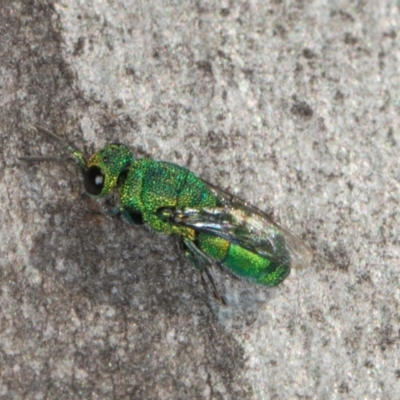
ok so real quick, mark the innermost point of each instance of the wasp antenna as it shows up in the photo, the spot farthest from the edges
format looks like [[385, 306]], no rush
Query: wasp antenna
[[54, 137], [42, 158], [76, 155]]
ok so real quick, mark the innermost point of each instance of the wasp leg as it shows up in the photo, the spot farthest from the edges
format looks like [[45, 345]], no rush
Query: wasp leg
[[132, 217], [204, 264]]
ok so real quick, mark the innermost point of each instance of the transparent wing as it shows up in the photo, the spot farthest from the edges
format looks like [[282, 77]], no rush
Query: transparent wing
[[241, 223], [205, 265]]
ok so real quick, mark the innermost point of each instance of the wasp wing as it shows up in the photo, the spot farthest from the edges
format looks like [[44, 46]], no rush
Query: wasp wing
[[205, 265], [238, 222]]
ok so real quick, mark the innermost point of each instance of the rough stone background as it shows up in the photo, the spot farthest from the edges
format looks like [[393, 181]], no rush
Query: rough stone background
[[293, 105]]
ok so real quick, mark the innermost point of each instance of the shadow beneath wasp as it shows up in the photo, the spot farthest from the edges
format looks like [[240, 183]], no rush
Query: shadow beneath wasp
[[108, 260]]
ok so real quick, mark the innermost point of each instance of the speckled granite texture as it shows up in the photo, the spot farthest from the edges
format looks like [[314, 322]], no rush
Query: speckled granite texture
[[292, 105]]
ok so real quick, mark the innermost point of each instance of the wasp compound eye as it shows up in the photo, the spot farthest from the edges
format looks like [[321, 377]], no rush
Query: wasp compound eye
[[93, 180]]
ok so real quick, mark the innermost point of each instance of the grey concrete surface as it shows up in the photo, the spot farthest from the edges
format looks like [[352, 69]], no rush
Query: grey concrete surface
[[291, 105]]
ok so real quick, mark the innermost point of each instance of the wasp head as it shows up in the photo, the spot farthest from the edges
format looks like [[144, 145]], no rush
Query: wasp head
[[104, 168]]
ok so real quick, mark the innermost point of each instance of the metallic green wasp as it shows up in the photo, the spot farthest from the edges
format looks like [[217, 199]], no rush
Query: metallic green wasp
[[216, 228]]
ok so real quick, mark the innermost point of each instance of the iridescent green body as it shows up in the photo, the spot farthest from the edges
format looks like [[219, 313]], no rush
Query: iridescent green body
[[150, 186], [146, 187], [215, 227]]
